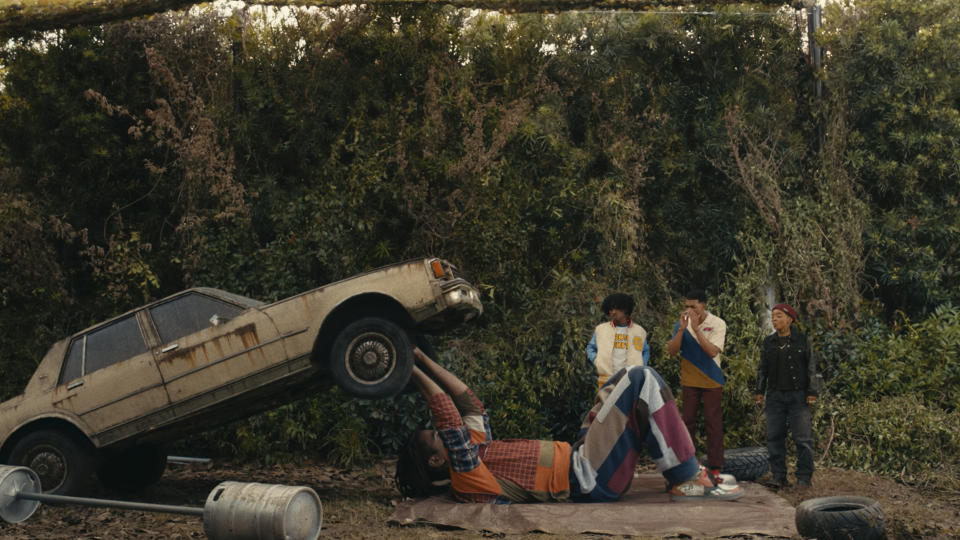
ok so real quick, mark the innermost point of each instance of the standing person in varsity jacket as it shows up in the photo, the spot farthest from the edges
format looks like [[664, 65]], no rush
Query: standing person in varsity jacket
[[620, 342], [633, 411], [698, 337]]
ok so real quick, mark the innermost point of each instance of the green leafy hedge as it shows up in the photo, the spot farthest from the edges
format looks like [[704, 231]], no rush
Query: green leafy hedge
[[916, 359], [554, 158], [897, 436]]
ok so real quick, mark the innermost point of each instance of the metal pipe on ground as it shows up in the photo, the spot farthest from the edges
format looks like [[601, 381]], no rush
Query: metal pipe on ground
[[234, 510], [184, 460]]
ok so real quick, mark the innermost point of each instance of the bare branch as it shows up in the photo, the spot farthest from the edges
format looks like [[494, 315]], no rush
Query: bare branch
[[21, 16]]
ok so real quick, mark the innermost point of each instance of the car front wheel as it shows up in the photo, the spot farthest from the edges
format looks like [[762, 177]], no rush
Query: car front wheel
[[372, 358], [62, 464]]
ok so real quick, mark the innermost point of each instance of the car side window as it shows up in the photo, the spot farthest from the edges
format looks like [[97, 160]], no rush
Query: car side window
[[189, 313], [103, 347], [111, 344], [73, 366]]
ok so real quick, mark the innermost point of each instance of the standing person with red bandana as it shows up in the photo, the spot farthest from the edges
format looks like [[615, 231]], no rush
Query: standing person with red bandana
[[788, 386], [620, 342], [698, 338]]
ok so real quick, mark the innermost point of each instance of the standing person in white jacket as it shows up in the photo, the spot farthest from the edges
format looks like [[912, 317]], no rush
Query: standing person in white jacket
[[620, 342]]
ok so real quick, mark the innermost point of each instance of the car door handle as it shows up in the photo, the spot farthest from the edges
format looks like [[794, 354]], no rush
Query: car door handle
[[170, 347], [74, 384]]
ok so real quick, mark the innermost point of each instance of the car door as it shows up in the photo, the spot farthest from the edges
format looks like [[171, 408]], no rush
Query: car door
[[212, 351], [110, 379]]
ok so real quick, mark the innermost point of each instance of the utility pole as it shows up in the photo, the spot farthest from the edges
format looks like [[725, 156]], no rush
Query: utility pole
[[814, 22]]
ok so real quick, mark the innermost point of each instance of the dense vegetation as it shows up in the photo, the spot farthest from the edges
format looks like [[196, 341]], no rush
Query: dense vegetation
[[554, 158]]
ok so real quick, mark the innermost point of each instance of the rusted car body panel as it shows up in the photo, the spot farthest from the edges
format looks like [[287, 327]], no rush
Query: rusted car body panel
[[256, 357]]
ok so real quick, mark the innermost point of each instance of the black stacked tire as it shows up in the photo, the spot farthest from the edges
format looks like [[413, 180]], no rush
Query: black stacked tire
[[843, 517], [747, 463]]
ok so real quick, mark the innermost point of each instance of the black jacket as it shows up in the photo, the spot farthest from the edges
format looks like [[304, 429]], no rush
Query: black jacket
[[801, 361]]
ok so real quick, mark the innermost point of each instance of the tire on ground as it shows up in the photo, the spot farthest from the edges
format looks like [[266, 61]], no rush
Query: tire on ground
[[63, 464], [846, 517], [372, 358], [132, 469], [746, 464]]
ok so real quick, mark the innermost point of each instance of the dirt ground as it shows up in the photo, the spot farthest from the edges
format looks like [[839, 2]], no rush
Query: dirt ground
[[357, 504]]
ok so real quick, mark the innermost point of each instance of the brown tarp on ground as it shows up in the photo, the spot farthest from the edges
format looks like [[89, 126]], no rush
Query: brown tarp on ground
[[646, 510]]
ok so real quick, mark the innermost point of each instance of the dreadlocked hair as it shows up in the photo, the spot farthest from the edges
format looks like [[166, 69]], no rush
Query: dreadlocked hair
[[413, 478]]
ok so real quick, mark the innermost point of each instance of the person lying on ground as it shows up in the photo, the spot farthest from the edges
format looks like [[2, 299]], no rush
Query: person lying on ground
[[634, 412]]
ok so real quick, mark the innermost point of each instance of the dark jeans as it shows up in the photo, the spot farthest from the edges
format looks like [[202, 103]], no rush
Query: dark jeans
[[712, 418], [783, 407]]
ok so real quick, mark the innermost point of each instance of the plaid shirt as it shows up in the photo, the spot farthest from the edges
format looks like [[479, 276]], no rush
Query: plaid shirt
[[463, 450], [485, 470]]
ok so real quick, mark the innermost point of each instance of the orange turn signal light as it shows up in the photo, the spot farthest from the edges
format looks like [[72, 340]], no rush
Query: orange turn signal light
[[437, 268]]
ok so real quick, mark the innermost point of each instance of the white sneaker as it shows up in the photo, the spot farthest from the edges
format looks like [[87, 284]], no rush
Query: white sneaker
[[726, 479], [721, 478], [701, 487]]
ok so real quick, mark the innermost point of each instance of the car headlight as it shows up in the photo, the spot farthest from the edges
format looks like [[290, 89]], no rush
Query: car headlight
[[454, 296]]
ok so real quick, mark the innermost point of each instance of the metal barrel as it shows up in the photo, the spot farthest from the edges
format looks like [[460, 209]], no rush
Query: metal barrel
[[253, 511], [13, 482]]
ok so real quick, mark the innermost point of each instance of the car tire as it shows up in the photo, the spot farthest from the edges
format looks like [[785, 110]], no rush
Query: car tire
[[847, 517], [421, 342], [133, 469], [747, 464], [63, 464], [372, 358]]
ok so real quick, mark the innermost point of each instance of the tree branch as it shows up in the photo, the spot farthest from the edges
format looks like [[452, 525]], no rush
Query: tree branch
[[22, 16]]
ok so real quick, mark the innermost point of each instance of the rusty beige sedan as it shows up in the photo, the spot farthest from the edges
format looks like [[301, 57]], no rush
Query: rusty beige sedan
[[106, 399]]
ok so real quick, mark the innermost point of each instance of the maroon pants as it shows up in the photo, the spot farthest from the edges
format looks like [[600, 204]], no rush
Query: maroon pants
[[712, 417]]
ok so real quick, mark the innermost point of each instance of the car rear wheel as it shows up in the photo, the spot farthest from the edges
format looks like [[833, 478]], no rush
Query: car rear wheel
[[132, 469], [62, 464], [372, 357]]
